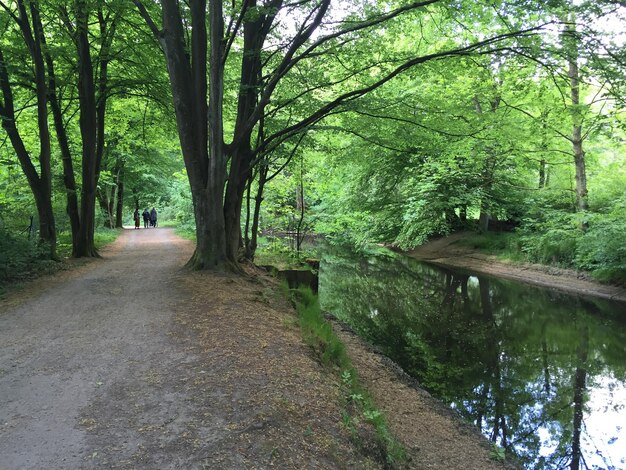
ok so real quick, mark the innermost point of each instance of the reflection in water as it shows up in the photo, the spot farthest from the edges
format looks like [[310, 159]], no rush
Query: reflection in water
[[542, 374]]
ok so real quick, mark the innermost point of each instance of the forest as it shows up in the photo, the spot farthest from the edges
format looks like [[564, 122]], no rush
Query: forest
[[360, 121]]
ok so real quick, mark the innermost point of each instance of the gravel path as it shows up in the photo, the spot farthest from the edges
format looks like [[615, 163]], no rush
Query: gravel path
[[63, 350]]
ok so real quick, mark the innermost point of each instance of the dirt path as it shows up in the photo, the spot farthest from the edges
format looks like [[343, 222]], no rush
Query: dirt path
[[446, 252], [75, 344], [130, 362]]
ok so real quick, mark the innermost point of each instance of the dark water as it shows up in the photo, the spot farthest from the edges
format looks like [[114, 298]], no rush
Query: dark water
[[542, 374]]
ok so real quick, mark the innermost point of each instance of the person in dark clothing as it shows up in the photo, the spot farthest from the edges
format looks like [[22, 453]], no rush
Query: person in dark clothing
[[136, 218], [153, 217], [146, 218]]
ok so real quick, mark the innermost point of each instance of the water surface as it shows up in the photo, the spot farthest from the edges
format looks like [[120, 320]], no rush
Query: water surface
[[541, 373]]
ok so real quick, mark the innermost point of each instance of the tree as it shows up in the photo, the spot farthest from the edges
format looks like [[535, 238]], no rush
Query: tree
[[92, 98], [40, 183], [140, 155], [573, 72], [269, 63], [92, 112]]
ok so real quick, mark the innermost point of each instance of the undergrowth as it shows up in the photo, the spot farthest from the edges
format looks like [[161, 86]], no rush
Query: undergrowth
[[274, 251], [598, 250], [503, 245], [185, 231], [358, 405], [22, 258]]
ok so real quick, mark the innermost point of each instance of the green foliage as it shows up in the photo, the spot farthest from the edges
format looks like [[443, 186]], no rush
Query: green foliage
[[490, 242], [560, 240], [105, 236], [601, 248], [177, 206], [497, 453], [281, 253], [554, 246], [21, 258], [443, 140]]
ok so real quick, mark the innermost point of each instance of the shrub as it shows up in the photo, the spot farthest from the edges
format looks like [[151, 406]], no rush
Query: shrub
[[601, 249], [20, 257], [555, 246]]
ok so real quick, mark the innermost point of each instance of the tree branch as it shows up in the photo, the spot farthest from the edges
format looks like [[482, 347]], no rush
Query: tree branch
[[354, 94], [148, 19]]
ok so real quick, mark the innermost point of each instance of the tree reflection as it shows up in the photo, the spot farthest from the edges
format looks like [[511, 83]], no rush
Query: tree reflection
[[580, 377], [515, 360]]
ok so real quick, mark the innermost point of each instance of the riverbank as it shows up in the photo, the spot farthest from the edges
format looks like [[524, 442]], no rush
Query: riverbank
[[447, 251]]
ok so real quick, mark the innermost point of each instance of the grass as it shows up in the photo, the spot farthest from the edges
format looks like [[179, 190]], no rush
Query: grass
[[279, 260], [169, 223], [358, 406], [188, 232], [102, 237]]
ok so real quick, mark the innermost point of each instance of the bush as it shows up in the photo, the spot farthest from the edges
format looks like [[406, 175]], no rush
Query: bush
[[557, 246], [602, 251], [552, 239], [558, 239], [20, 257]]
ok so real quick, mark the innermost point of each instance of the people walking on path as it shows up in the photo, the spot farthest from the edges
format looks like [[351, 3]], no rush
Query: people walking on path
[[153, 217], [136, 218], [146, 218]]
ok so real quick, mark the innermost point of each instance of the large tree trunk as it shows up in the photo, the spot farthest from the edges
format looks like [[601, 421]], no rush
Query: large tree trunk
[[233, 201], [91, 120], [47, 229], [119, 209], [200, 127], [69, 180], [91, 123], [246, 228], [85, 246], [254, 34], [212, 254], [206, 164]]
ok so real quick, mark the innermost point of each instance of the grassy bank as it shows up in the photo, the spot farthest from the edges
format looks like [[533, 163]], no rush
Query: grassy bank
[[598, 251], [359, 409]]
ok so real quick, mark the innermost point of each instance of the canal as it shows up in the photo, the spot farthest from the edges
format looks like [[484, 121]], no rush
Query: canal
[[541, 373]]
